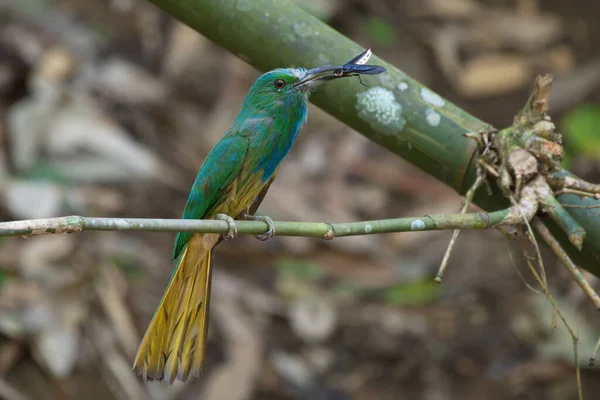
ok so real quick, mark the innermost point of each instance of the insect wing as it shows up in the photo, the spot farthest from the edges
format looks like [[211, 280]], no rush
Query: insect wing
[[363, 69], [360, 59]]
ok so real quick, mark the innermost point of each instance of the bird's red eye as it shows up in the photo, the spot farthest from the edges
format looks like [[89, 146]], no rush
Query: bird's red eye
[[279, 83]]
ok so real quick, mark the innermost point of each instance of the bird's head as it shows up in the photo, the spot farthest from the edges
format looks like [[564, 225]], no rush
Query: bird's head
[[287, 87], [285, 82]]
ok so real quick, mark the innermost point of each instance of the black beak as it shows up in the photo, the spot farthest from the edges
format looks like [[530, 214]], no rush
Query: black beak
[[316, 76]]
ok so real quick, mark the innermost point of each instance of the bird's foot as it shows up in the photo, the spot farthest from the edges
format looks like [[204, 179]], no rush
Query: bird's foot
[[270, 225], [231, 228]]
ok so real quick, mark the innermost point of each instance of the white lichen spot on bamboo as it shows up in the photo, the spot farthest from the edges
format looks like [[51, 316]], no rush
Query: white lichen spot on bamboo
[[432, 98], [387, 81], [402, 86], [379, 108], [368, 228], [433, 118], [302, 29], [244, 5], [417, 225]]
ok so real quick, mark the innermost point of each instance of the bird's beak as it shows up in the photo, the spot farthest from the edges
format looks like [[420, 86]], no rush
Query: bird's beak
[[316, 76]]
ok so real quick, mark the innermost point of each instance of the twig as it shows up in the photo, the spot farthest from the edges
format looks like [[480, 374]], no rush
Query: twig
[[543, 284], [491, 170], [574, 231], [514, 265], [593, 357], [560, 181], [576, 192], [538, 254], [550, 298], [468, 199], [566, 260], [70, 224], [577, 368], [581, 206]]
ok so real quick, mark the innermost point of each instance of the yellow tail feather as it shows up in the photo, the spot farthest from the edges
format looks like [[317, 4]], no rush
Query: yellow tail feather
[[174, 345]]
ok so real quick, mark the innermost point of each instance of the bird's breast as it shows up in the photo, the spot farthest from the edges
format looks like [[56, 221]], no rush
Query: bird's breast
[[276, 146], [243, 192]]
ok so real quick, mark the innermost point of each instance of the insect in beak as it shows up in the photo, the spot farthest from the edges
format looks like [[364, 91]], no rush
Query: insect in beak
[[355, 67]]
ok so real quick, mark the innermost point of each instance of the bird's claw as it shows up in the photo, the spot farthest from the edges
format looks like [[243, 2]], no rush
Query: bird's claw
[[231, 227], [270, 227]]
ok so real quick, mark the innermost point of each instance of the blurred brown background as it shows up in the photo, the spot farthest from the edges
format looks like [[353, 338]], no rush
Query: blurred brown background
[[107, 108]]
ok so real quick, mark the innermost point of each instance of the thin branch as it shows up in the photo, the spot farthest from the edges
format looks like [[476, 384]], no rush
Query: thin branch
[[593, 357], [531, 237], [566, 260], [560, 181], [542, 281], [518, 271], [70, 224], [581, 206], [468, 199], [579, 193], [577, 368], [567, 223], [557, 312]]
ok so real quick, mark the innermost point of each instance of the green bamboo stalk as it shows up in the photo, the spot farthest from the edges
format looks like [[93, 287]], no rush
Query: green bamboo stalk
[[75, 223], [394, 110]]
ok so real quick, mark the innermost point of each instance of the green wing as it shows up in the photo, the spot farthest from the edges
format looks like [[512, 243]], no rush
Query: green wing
[[221, 166]]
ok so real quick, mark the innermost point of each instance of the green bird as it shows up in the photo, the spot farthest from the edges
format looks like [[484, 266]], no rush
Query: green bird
[[231, 182]]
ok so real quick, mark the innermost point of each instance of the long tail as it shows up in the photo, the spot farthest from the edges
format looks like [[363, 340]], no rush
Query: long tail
[[174, 345]]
